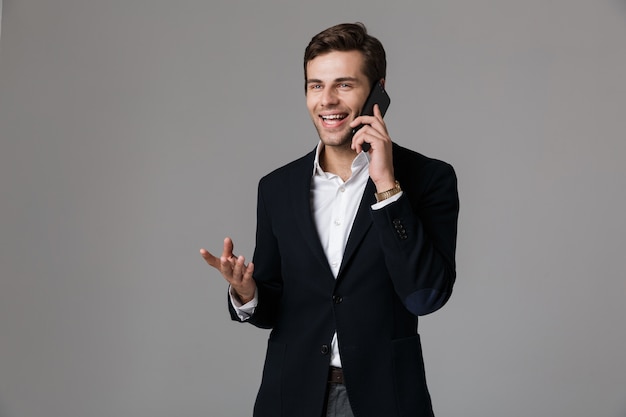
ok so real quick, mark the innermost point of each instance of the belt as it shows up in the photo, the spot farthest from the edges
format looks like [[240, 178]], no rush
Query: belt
[[335, 376]]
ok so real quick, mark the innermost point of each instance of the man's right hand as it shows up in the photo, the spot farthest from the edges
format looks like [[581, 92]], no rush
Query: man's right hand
[[234, 270]]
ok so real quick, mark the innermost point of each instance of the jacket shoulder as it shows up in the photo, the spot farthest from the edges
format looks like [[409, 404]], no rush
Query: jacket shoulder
[[410, 162], [299, 167]]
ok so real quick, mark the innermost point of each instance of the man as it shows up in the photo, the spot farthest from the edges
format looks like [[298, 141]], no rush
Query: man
[[352, 246]]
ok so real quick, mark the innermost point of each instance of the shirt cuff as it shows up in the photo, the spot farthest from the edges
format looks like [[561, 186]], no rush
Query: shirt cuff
[[387, 201], [244, 311]]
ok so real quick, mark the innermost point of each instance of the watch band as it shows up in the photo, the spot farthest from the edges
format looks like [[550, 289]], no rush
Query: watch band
[[386, 194]]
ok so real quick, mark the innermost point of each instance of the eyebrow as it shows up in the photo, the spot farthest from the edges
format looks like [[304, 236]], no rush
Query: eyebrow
[[336, 80]]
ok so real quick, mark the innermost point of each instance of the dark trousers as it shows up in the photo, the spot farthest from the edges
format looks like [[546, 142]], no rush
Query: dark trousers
[[337, 401]]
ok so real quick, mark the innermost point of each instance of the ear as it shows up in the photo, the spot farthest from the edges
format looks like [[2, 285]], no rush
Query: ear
[[382, 82]]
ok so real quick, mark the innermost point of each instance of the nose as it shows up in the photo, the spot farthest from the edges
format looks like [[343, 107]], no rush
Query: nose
[[329, 97]]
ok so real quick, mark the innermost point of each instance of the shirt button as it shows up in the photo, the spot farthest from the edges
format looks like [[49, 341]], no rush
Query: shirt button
[[342, 189], [337, 299], [337, 222], [324, 350]]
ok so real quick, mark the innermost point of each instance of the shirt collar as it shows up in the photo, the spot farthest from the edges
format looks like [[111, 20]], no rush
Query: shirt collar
[[360, 161]]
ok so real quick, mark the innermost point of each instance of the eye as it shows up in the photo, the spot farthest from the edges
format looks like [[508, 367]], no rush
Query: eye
[[344, 86]]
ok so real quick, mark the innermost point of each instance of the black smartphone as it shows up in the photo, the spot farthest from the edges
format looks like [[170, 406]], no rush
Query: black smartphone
[[379, 96]]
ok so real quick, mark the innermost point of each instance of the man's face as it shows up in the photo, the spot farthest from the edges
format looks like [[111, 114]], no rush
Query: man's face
[[336, 90]]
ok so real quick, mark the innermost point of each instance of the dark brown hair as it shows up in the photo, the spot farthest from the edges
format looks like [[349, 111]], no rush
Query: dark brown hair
[[349, 37]]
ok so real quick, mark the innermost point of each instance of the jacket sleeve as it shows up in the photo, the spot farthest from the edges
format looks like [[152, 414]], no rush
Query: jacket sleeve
[[418, 237]]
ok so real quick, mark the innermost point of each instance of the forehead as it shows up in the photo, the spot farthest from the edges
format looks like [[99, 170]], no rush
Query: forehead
[[336, 64]]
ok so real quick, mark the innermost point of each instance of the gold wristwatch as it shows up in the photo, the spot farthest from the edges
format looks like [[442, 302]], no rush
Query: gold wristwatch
[[386, 194]]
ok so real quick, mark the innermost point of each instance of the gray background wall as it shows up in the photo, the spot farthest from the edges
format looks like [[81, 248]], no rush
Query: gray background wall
[[133, 132]]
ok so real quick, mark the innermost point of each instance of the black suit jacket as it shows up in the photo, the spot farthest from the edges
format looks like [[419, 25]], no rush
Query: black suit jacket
[[398, 264]]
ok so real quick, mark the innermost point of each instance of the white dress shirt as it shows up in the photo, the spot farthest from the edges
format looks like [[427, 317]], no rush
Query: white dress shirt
[[334, 204]]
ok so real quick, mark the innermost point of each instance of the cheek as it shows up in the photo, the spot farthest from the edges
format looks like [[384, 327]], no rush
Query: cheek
[[354, 101], [361, 101]]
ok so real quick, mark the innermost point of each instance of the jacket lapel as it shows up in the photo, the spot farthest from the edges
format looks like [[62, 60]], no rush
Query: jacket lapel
[[362, 224], [301, 203]]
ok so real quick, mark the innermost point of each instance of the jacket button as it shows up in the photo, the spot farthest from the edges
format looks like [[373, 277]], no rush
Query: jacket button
[[337, 299], [324, 350]]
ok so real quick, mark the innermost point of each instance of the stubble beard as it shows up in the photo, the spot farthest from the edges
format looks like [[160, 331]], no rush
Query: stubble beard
[[340, 140]]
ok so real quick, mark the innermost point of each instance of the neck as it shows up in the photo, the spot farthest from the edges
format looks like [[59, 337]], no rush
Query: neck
[[338, 160]]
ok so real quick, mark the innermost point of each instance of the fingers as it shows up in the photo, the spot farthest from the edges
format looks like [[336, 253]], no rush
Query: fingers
[[239, 276], [234, 270], [210, 259], [227, 253], [247, 276], [377, 118], [373, 132], [248, 285], [370, 136], [242, 273], [377, 113]]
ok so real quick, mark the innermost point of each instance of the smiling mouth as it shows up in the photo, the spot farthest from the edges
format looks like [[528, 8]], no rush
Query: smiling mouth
[[333, 119]]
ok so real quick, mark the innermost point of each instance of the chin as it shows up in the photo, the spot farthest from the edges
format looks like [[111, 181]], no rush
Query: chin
[[337, 139]]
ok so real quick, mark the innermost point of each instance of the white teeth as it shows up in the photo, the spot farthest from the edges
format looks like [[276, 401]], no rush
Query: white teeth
[[333, 117]]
